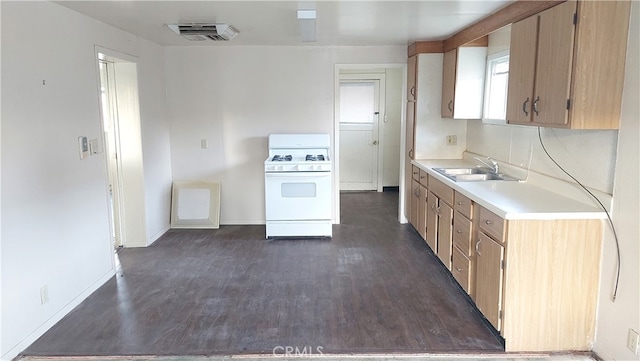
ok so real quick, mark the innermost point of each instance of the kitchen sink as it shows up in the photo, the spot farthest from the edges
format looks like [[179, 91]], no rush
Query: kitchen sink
[[475, 174]]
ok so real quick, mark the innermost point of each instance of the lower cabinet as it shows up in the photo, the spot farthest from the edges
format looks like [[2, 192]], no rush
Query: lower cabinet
[[489, 279], [535, 281], [445, 220], [432, 221]]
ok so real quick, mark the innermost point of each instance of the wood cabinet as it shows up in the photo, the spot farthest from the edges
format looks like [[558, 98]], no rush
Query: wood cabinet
[[463, 260], [439, 220], [533, 276], [432, 222], [448, 83], [566, 66], [463, 76], [418, 200], [489, 278], [526, 276], [412, 73], [412, 69]]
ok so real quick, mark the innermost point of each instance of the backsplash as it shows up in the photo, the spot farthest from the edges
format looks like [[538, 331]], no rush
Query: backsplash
[[588, 155]]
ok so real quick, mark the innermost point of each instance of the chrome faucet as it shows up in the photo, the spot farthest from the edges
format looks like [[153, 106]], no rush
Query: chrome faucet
[[493, 165]]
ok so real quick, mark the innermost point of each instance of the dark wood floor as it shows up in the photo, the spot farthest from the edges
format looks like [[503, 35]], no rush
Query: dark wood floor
[[374, 287]]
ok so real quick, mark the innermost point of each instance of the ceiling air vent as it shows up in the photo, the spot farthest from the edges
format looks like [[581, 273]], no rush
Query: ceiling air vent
[[200, 32]]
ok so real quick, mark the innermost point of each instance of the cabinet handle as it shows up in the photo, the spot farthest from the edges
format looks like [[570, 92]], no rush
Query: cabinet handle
[[478, 247], [438, 210], [535, 105], [488, 222], [450, 105], [411, 153], [458, 231], [460, 203], [413, 91], [524, 107], [458, 269]]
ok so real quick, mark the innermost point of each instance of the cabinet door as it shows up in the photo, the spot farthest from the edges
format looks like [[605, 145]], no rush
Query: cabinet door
[[448, 83], [432, 222], [553, 72], [408, 189], [489, 278], [445, 221], [412, 71], [415, 203], [522, 69], [422, 212]]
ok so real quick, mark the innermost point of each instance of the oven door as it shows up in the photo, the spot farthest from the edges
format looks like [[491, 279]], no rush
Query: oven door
[[298, 196]]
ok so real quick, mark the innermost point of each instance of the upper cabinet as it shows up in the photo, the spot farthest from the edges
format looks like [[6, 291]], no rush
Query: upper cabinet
[[566, 66], [412, 69], [463, 81]]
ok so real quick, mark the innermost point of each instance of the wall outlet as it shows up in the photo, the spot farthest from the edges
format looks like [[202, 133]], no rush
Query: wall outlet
[[452, 139], [632, 341], [44, 294]]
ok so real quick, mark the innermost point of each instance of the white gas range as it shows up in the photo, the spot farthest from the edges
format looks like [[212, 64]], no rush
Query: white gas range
[[298, 189]]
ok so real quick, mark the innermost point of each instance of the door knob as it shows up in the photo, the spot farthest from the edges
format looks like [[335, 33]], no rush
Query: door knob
[[375, 142]]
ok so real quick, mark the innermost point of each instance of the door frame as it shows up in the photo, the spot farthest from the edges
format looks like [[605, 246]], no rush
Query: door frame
[[365, 68], [132, 212], [381, 79]]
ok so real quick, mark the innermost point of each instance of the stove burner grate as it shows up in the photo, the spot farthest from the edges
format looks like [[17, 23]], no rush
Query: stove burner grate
[[282, 158]]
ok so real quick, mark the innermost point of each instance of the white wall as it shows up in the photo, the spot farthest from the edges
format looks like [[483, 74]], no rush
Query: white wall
[[236, 96], [431, 129], [55, 228], [155, 139], [616, 318], [391, 127]]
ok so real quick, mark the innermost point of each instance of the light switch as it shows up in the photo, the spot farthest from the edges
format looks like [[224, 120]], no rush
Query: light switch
[[83, 147], [204, 144]]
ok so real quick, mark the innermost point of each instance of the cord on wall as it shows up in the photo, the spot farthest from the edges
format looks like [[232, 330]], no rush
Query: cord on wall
[[613, 228]]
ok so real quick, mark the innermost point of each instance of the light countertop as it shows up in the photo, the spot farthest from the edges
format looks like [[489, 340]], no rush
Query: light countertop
[[513, 200]]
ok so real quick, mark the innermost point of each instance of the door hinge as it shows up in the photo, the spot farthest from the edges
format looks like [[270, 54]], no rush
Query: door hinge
[[500, 315], [502, 264], [575, 18], [568, 104]]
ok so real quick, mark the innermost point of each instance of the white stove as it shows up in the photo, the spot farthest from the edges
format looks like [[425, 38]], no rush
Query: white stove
[[298, 189]]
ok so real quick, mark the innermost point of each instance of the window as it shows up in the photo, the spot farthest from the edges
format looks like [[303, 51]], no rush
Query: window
[[495, 100], [357, 102]]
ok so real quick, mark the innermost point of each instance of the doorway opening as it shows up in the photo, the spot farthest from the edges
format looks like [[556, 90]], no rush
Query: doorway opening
[[122, 139], [369, 117]]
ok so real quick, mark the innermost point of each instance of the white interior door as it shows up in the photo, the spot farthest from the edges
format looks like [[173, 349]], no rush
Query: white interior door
[[359, 141]]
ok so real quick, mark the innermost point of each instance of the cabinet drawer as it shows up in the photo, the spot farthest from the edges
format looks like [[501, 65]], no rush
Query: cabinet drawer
[[415, 173], [462, 233], [461, 269], [492, 224], [424, 178], [463, 205], [441, 190]]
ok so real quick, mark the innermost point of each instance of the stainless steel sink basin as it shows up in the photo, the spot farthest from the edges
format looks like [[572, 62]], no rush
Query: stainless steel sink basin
[[476, 174], [462, 171]]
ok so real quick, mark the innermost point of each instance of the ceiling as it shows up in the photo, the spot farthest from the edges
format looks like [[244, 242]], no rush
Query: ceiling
[[345, 23]]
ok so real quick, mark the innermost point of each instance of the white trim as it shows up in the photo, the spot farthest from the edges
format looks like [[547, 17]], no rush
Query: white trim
[[32, 337], [157, 236], [487, 83], [336, 132]]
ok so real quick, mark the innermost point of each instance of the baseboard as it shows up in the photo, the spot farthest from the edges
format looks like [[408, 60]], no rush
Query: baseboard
[[31, 338], [157, 236]]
